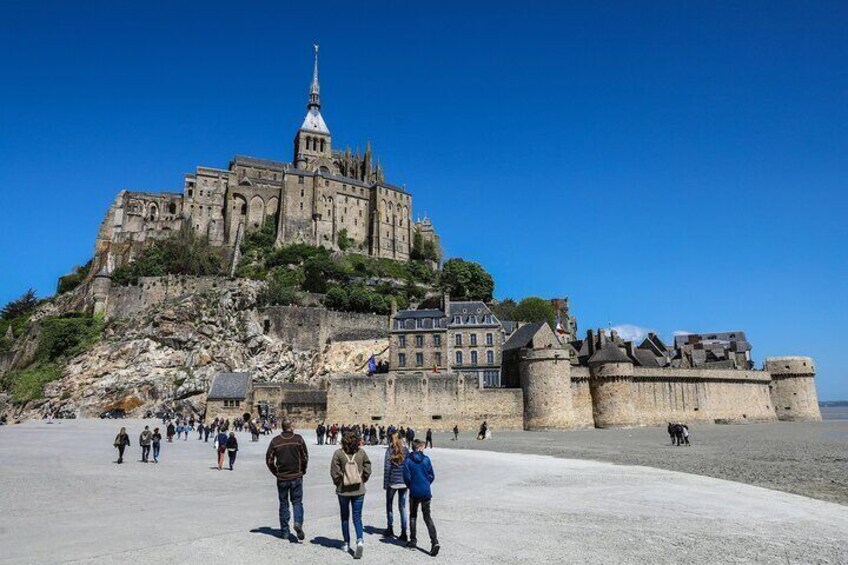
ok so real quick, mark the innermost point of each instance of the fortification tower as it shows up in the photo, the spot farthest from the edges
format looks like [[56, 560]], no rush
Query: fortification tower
[[100, 287], [610, 384], [545, 376], [793, 390]]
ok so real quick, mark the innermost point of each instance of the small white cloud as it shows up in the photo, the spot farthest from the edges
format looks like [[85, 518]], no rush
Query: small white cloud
[[682, 332], [629, 332]]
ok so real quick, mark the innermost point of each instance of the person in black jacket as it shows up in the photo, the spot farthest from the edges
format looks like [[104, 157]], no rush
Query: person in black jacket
[[122, 440], [232, 449], [287, 459], [428, 439]]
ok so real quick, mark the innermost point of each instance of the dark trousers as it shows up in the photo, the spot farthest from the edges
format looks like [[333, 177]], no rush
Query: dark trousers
[[429, 442], [145, 452], [121, 449], [156, 448], [413, 518], [290, 491], [232, 455]]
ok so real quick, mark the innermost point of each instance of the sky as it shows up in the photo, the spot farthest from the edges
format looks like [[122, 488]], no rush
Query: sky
[[669, 166]]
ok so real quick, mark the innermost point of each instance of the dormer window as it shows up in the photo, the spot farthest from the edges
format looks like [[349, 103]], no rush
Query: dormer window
[[457, 319], [472, 319]]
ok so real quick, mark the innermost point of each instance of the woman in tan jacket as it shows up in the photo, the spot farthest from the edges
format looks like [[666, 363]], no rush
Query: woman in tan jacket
[[350, 469]]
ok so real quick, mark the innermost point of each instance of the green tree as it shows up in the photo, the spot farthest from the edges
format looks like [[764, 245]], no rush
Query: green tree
[[423, 249], [21, 306], [535, 309], [336, 299], [183, 254], [71, 281], [343, 240], [505, 309], [466, 280]]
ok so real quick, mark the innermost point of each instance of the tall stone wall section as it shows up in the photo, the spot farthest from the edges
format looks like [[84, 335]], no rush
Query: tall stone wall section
[[437, 401], [700, 395], [123, 301], [546, 382], [308, 328], [581, 398]]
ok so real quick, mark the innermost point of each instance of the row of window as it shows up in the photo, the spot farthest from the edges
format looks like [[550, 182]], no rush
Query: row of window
[[420, 323], [437, 358], [473, 319], [419, 341], [232, 403], [472, 338]]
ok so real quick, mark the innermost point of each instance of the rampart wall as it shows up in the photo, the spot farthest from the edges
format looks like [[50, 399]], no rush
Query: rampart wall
[[125, 301], [309, 328], [437, 401]]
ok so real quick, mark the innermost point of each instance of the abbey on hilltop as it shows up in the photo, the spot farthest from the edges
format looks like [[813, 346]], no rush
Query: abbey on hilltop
[[321, 196]]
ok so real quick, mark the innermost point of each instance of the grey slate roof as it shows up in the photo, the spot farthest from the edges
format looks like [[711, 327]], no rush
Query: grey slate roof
[[646, 359], [522, 336], [229, 386], [609, 354], [509, 326], [415, 314]]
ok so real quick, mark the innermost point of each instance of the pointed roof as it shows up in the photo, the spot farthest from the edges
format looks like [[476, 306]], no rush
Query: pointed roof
[[313, 120], [609, 354]]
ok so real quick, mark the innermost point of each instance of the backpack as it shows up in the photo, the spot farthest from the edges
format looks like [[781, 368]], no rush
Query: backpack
[[352, 476]]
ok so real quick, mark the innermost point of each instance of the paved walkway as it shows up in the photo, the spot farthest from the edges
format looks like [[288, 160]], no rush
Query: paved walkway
[[63, 500]]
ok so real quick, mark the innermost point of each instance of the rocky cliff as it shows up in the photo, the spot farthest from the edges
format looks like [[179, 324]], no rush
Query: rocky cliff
[[166, 356]]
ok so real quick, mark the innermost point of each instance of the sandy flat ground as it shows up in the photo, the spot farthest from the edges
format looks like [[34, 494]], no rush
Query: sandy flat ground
[[807, 458], [62, 499]]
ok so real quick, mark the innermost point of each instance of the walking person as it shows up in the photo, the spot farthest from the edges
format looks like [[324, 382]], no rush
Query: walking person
[[122, 440], [170, 432], [157, 444], [685, 432], [393, 484], [287, 459], [678, 434], [456, 433], [410, 436], [144, 440], [418, 475], [319, 431], [671, 432], [350, 469], [232, 449], [428, 439], [221, 447]]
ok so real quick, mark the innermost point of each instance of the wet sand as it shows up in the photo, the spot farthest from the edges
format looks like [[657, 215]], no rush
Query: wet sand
[[806, 458]]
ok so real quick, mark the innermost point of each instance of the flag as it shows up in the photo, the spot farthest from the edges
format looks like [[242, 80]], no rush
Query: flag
[[372, 365]]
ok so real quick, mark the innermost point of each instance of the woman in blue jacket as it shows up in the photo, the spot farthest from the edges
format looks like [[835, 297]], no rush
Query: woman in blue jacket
[[393, 483], [418, 474]]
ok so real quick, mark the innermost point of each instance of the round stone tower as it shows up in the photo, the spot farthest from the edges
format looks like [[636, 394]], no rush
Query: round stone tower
[[545, 376], [793, 390], [610, 384], [100, 286]]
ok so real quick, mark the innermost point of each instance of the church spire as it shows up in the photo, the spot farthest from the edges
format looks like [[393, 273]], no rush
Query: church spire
[[315, 88]]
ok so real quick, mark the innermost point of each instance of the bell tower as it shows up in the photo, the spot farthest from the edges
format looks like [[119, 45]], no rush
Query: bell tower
[[313, 141]]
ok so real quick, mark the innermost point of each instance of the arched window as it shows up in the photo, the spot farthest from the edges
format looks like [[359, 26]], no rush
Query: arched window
[[322, 145], [459, 357], [172, 208], [153, 213]]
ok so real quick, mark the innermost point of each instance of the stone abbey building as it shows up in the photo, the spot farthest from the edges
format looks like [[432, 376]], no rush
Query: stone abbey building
[[311, 199]]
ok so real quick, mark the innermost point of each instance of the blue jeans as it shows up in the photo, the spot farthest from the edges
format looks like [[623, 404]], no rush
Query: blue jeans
[[290, 491], [345, 502], [390, 495], [156, 447]]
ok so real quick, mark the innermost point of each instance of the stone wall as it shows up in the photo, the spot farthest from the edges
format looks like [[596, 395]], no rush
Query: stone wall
[[581, 398], [423, 400], [308, 328], [126, 301]]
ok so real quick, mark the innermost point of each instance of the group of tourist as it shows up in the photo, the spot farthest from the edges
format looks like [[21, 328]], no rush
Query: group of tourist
[[369, 434], [224, 443], [679, 434], [406, 471]]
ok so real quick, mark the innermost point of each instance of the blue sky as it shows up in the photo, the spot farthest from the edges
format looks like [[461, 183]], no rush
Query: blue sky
[[667, 165]]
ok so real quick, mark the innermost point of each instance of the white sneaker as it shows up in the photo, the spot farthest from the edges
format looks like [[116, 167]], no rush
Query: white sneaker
[[359, 547], [346, 548]]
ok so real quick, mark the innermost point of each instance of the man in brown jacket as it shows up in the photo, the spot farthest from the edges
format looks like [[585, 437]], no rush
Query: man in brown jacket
[[286, 459]]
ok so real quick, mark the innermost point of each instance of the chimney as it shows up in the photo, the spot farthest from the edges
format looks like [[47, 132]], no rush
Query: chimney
[[590, 339], [446, 303]]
